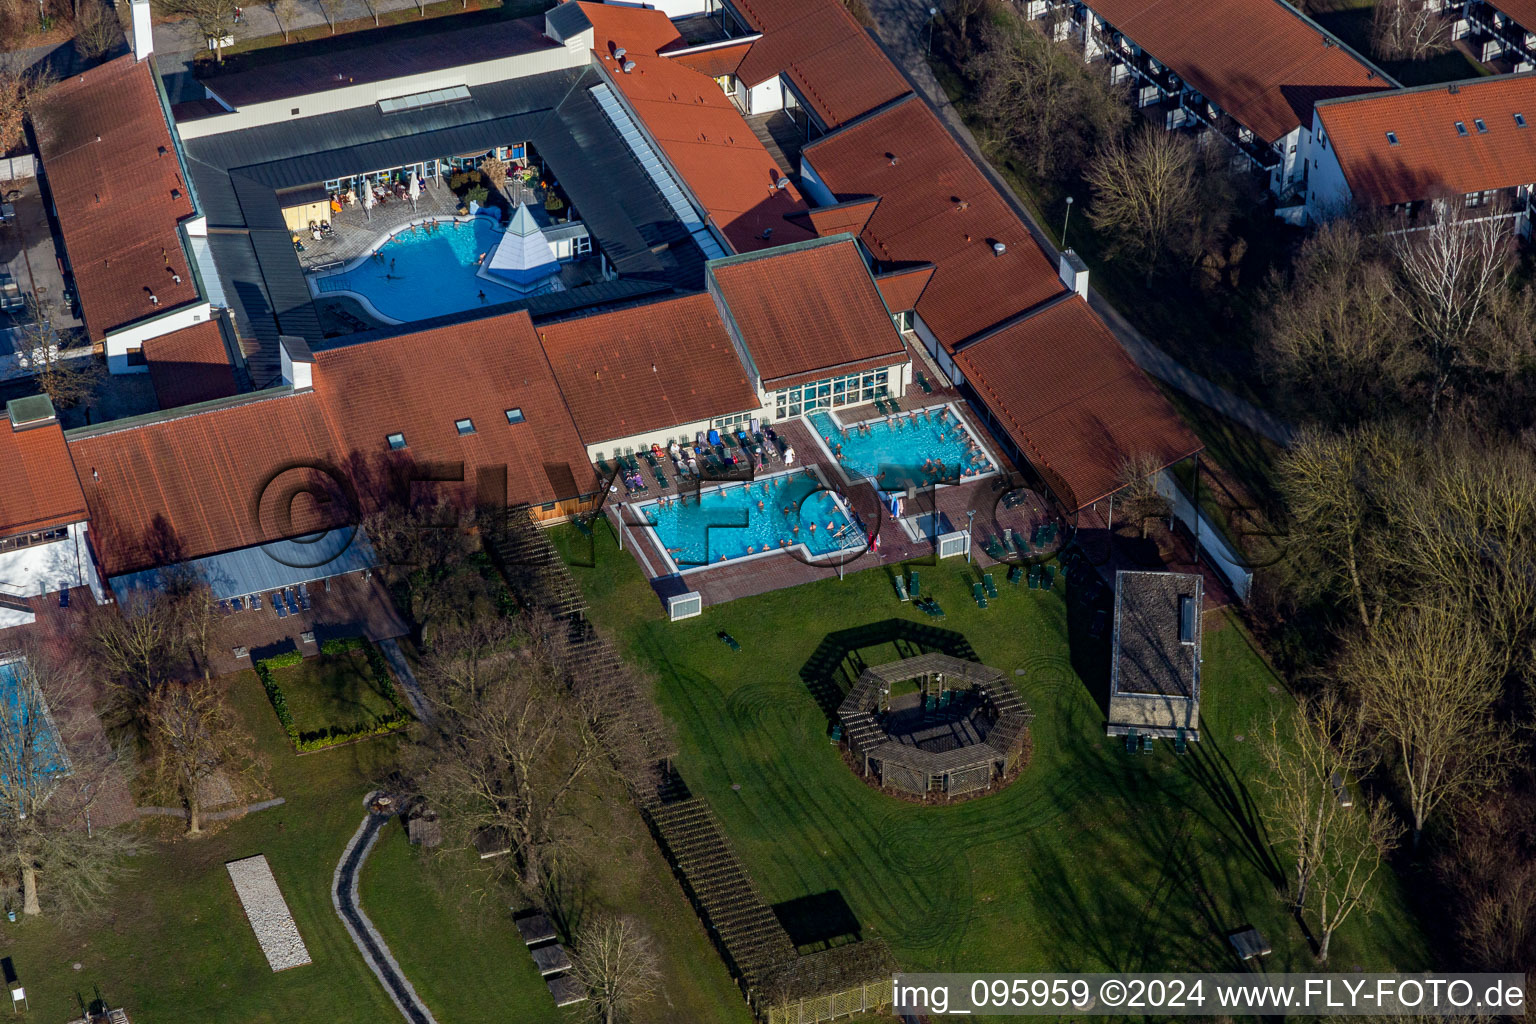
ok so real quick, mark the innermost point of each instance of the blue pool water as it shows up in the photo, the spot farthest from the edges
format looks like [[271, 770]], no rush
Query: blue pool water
[[26, 717], [906, 451], [724, 523], [433, 273]]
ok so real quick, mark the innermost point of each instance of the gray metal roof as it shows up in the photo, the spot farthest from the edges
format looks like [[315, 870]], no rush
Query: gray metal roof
[[265, 567], [567, 20]]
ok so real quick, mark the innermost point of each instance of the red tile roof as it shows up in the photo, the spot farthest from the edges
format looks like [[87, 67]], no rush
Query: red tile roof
[[706, 140], [1259, 60], [647, 368], [851, 216], [116, 182], [197, 485], [1061, 386], [716, 61], [190, 365], [1430, 155], [936, 206], [636, 29], [839, 70], [419, 384], [1522, 11], [902, 289], [38, 489], [812, 309]]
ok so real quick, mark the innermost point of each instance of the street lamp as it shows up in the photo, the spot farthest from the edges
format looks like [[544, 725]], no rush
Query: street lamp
[[970, 517], [933, 12], [1064, 221]]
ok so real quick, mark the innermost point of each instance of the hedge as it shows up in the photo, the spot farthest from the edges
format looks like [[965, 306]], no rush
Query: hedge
[[335, 735]]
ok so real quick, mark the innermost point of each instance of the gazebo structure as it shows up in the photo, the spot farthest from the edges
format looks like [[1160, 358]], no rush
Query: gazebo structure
[[961, 730]]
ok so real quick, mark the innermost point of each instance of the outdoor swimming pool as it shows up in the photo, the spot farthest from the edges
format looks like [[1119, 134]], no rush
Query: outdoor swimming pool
[[726, 523], [27, 722], [422, 274], [910, 448]]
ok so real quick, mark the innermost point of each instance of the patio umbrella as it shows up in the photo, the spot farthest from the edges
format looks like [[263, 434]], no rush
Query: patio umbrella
[[415, 192], [368, 199]]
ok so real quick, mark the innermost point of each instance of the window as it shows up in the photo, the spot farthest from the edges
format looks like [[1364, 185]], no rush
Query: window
[[396, 442], [136, 357], [1293, 149], [514, 415], [904, 320], [1482, 127], [27, 540], [1519, 120], [1186, 619], [294, 112], [1391, 138], [1461, 128], [464, 426], [581, 245]]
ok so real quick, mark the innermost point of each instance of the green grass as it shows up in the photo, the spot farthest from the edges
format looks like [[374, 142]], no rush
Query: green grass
[[1091, 860], [333, 690], [172, 943]]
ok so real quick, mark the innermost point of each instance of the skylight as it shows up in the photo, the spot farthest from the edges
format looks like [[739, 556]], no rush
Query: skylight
[[437, 97], [1461, 128], [1391, 138], [464, 426], [396, 442], [1482, 128], [514, 415], [1519, 120]]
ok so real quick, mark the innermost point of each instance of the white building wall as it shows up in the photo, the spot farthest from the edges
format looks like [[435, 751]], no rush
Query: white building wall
[[931, 343], [46, 568], [1328, 194], [682, 433], [766, 96], [120, 342], [812, 187], [575, 53]]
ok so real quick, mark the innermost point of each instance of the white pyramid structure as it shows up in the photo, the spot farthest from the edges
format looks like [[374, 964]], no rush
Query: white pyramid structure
[[523, 258]]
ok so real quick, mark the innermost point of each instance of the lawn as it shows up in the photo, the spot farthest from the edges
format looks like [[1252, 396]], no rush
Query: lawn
[[1092, 860], [173, 944], [337, 690]]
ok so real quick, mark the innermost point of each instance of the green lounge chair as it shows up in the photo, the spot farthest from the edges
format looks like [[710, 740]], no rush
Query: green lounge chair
[[1146, 744], [901, 588], [986, 582], [978, 595], [1015, 575], [729, 641], [1047, 577], [1130, 741], [661, 478], [995, 549], [928, 702], [912, 584], [922, 382], [1180, 743], [934, 609], [604, 468], [1034, 577], [836, 735]]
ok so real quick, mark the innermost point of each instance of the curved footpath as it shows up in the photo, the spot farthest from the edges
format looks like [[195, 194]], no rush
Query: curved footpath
[[369, 942]]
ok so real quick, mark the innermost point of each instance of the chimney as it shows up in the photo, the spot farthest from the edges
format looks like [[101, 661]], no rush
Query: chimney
[[1074, 272], [298, 362], [143, 34], [32, 411]]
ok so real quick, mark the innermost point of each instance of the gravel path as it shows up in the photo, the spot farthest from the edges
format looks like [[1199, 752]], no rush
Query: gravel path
[[268, 912], [367, 938], [402, 668], [181, 812]]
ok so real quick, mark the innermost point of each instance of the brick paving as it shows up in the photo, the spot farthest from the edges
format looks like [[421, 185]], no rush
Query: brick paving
[[353, 606]]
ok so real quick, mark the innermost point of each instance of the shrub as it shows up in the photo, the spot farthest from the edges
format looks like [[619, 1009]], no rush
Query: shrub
[[342, 644], [335, 735], [287, 659], [553, 203], [477, 194]]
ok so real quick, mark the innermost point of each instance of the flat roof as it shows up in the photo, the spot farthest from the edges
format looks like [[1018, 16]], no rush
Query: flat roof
[[1149, 656]]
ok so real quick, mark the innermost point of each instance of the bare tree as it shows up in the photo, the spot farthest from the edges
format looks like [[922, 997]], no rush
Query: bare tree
[[1146, 195], [1449, 271], [20, 90], [1490, 868], [1409, 30], [513, 737], [196, 740], [133, 643], [284, 12], [1138, 499], [49, 851], [616, 962], [1337, 333], [1428, 680], [97, 30], [215, 19], [331, 8], [1037, 100], [66, 370], [958, 13], [1332, 485]]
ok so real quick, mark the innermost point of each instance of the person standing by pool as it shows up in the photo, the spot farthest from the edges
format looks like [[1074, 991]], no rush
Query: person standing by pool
[[482, 296]]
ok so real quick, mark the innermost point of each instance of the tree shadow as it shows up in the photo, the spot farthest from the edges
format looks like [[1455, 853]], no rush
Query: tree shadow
[[819, 921]]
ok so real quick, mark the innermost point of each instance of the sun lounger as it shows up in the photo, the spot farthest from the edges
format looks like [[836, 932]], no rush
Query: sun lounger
[[978, 595], [836, 735], [729, 641], [661, 478], [1034, 577], [995, 549], [253, 602], [1180, 742], [912, 584], [304, 596], [277, 606], [293, 606], [1047, 577], [901, 588], [1130, 741], [934, 609], [1146, 744], [1015, 575], [986, 582], [650, 460], [922, 382], [604, 468]]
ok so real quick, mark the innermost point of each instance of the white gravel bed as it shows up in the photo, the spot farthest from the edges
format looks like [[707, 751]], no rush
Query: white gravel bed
[[268, 912]]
